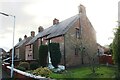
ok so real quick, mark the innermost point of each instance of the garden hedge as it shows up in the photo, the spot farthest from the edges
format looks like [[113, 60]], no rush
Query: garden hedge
[[55, 54], [43, 53]]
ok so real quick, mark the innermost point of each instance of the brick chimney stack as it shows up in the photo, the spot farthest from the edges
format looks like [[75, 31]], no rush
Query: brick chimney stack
[[25, 36], [82, 9], [55, 21], [20, 39], [32, 33], [40, 29]]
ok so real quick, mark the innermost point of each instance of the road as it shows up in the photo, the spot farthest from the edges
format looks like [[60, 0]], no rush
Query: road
[[3, 74], [0, 68]]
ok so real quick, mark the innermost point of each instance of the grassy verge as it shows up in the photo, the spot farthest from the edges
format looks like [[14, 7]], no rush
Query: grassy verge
[[103, 72]]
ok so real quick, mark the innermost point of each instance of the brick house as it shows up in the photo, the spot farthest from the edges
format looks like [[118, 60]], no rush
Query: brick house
[[32, 48], [20, 46], [76, 36], [100, 49], [3, 53]]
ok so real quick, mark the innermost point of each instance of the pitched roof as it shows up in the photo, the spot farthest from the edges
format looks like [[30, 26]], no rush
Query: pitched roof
[[63, 26], [22, 42], [34, 39], [2, 50], [57, 29]]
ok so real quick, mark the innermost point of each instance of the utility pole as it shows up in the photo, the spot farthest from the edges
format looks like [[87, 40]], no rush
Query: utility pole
[[12, 65]]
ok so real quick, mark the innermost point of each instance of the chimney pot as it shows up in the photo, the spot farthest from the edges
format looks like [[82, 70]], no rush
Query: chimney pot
[[32, 33], [55, 21], [40, 29], [20, 39], [25, 36]]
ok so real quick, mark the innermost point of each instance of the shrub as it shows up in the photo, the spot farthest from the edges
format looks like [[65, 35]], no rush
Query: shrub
[[43, 53], [55, 54], [21, 68], [25, 65], [34, 65], [42, 71]]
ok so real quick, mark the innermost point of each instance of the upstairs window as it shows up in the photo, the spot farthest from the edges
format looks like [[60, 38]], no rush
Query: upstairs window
[[30, 45], [77, 33], [41, 41]]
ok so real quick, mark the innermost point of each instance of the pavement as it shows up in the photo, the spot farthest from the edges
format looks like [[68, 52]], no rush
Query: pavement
[[3, 74]]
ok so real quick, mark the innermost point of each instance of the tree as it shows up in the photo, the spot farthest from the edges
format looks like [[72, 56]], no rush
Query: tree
[[55, 54], [115, 45], [116, 48], [43, 53]]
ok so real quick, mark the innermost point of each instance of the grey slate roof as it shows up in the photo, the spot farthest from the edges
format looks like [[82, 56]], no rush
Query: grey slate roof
[[63, 26], [57, 29], [40, 35], [34, 39], [19, 44], [2, 50]]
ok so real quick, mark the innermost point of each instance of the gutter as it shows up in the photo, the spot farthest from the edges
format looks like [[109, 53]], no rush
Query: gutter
[[64, 52]]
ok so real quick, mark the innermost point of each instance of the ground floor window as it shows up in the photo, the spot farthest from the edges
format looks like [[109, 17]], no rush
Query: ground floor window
[[76, 51]]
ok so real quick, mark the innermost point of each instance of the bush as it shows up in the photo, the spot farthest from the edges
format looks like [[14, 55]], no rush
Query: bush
[[25, 65], [34, 65], [55, 54], [21, 68], [42, 71], [43, 53]]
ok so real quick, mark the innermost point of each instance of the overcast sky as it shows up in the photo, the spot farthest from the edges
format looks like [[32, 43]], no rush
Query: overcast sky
[[30, 14]]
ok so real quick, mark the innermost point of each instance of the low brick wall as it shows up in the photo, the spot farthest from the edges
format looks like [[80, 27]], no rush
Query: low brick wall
[[20, 75]]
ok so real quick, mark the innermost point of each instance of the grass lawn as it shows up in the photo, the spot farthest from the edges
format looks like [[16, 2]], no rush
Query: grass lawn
[[86, 72]]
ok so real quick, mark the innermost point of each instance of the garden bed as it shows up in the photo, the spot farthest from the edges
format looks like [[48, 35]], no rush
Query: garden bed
[[18, 74]]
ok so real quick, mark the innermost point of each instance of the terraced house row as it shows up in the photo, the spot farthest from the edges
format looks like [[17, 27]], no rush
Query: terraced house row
[[76, 36]]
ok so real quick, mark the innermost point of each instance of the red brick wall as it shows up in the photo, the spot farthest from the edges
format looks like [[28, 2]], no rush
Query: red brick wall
[[29, 50], [58, 39]]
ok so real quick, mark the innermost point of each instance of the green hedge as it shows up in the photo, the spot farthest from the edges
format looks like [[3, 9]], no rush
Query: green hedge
[[43, 53], [34, 65], [23, 66], [55, 54]]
